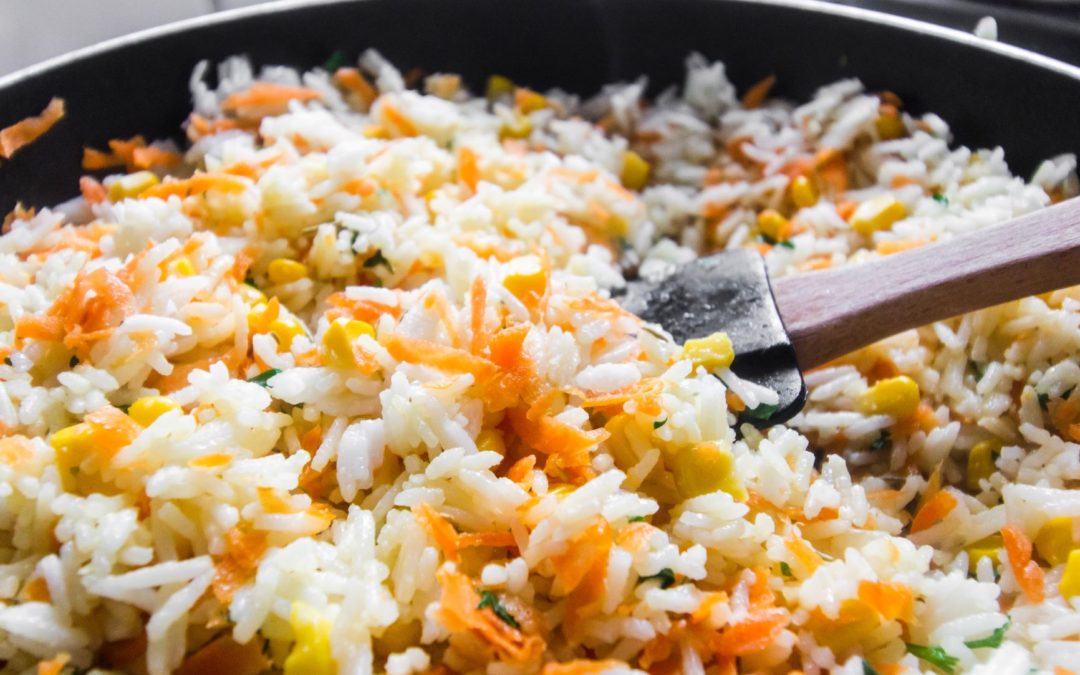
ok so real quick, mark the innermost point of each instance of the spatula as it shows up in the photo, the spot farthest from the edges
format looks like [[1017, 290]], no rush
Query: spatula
[[799, 322]]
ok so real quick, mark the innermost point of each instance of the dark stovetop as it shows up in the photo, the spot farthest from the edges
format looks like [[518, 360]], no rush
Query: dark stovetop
[[1051, 27]]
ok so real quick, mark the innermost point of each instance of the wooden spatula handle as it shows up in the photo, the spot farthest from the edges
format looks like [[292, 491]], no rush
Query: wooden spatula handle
[[832, 312]]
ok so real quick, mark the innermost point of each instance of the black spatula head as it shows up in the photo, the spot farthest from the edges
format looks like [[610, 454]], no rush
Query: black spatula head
[[728, 292]]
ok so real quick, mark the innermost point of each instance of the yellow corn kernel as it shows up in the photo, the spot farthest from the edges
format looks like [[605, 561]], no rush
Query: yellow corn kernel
[[527, 101], [181, 267], [519, 127], [285, 271], [712, 352], [285, 329], [855, 622], [526, 279], [635, 170], [75, 438], [980, 464], [773, 225], [376, 131], [148, 408], [1070, 580], [803, 192], [131, 185], [1054, 542], [889, 126], [988, 547], [311, 655], [896, 396], [498, 86], [702, 468], [617, 226], [338, 340], [877, 213], [490, 439]]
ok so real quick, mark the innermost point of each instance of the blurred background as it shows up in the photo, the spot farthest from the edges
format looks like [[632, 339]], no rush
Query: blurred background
[[34, 30]]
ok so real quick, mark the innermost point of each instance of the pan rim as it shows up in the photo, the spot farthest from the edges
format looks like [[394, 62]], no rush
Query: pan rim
[[819, 6]]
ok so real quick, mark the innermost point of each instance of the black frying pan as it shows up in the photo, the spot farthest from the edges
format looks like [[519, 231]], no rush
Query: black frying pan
[[992, 94]]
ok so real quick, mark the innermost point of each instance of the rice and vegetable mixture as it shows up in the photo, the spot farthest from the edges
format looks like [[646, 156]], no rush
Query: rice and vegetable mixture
[[342, 389]]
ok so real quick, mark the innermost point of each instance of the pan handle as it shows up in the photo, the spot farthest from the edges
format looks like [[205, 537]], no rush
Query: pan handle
[[832, 312]]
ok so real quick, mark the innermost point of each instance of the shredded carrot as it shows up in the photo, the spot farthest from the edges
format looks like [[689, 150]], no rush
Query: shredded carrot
[[361, 187], [734, 403], [439, 529], [267, 98], [214, 460], [1029, 575], [225, 656], [54, 665], [477, 305], [489, 539], [567, 446], [831, 168], [900, 181], [754, 633], [353, 81], [517, 376], [459, 611], [934, 511], [112, 430], [583, 667], [521, 468], [468, 168], [396, 118], [92, 191], [635, 536], [586, 548], [891, 600], [846, 209], [244, 550], [26, 131], [642, 390], [1062, 670], [436, 355], [31, 327], [36, 590], [756, 94], [198, 184], [362, 310]]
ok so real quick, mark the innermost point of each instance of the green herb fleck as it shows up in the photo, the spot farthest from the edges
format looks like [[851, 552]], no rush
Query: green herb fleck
[[637, 519], [73, 361], [882, 441], [868, 669], [785, 569], [1043, 399], [787, 243], [941, 199], [665, 576], [264, 377], [378, 259], [1067, 393], [977, 369], [490, 600], [992, 641], [935, 656], [336, 60], [659, 423], [250, 281], [772, 242], [762, 412]]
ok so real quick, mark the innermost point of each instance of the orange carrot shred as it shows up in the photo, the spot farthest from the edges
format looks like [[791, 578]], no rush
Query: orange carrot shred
[[583, 667], [756, 94], [440, 530], [891, 600], [468, 168], [25, 132], [934, 511], [55, 665], [459, 610], [1029, 575], [754, 633]]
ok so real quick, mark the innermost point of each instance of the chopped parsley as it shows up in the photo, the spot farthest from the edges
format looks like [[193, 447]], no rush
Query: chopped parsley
[[992, 641], [1043, 399], [935, 656], [659, 423], [977, 369], [941, 199], [336, 60], [665, 576], [637, 519], [868, 669], [787, 243], [73, 361], [491, 601], [378, 259], [250, 281], [772, 242], [762, 412], [882, 441], [785, 569], [264, 377]]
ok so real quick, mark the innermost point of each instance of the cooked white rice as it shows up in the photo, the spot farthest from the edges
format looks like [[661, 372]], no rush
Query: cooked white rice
[[434, 445]]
